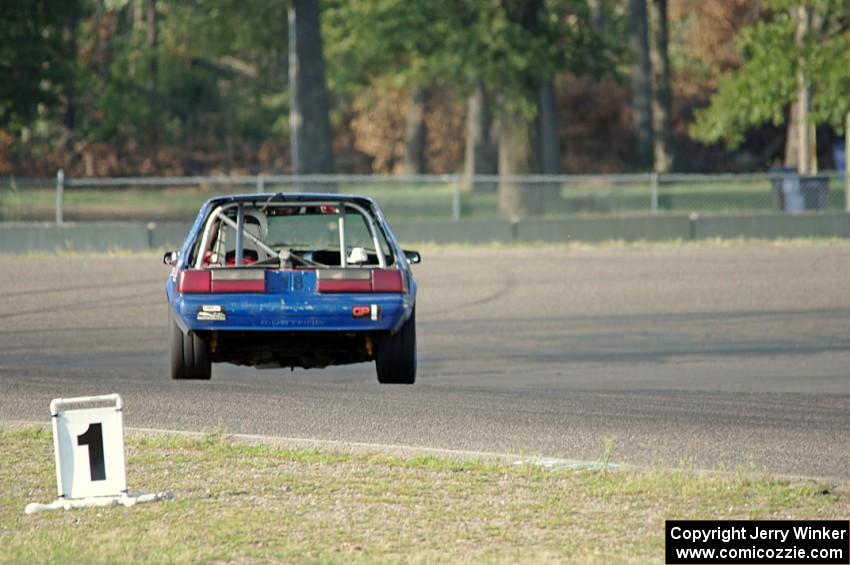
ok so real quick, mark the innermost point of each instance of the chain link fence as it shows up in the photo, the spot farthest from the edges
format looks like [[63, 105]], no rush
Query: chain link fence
[[431, 197]]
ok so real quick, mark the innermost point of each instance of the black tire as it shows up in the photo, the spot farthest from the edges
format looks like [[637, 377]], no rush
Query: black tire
[[203, 365], [190, 356], [178, 371], [396, 359]]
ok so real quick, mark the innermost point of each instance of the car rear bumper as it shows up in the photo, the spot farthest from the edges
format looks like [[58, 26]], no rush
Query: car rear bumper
[[263, 312]]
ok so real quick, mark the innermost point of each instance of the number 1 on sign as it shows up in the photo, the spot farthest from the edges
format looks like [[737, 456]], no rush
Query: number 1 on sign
[[93, 438]]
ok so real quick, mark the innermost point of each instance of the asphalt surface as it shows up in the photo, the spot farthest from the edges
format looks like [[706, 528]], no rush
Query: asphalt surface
[[706, 357]]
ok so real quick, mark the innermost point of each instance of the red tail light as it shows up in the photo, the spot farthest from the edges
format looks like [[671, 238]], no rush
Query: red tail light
[[221, 281], [238, 280], [387, 280], [344, 286], [238, 286], [359, 281], [194, 282]]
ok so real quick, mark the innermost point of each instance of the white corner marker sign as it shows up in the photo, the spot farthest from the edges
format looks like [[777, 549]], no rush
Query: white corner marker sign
[[89, 447]]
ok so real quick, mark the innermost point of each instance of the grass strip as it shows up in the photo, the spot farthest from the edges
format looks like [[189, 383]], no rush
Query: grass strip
[[403, 201], [247, 503], [433, 247]]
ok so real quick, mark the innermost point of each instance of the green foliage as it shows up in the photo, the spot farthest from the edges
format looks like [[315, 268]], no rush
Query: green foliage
[[33, 58], [426, 42], [82, 71], [217, 65], [242, 50], [761, 91]]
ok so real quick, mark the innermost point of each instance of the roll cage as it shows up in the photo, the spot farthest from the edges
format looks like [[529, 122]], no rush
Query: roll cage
[[240, 215]]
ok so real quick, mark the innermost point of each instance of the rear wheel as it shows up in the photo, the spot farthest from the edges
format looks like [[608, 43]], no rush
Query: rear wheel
[[396, 358], [190, 355], [177, 368]]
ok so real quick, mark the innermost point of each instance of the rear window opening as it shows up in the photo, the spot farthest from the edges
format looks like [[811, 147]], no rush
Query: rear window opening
[[291, 235]]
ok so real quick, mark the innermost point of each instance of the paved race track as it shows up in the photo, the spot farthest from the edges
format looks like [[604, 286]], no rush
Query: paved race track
[[731, 357]]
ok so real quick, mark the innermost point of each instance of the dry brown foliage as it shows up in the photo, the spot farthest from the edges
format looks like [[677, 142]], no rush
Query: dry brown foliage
[[713, 27], [595, 125], [379, 121], [378, 127]]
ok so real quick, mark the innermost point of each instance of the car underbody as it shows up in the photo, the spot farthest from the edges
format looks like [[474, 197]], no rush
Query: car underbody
[[275, 349]]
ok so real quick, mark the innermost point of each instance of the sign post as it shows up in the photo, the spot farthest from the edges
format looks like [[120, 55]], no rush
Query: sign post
[[88, 444]]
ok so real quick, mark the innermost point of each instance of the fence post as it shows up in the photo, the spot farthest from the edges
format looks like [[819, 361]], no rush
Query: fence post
[[261, 183], [60, 196], [653, 189], [456, 198]]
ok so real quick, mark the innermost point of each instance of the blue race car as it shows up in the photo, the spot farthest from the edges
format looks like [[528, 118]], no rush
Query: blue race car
[[292, 280]]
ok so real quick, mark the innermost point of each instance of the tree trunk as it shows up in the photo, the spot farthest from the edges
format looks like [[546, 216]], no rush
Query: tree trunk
[[519, 136], [138, 14], [481, 157], [641, 72], [518, 155], [151, 46], [311, 114], [416, 134], [792, 154], [550, 148], [70, 35], [597, 15], [661, 99], [806, 156]]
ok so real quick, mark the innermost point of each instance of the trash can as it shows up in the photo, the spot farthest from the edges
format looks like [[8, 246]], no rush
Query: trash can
[[785, 186], [839, 157], [815, 189]]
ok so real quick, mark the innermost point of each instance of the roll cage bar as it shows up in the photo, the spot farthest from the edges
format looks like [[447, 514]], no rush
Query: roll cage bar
[[241, 231]]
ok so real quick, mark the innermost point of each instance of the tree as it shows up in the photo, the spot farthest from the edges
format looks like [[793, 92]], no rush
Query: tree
[[553, 37], [777, 61], [511, 48], [181, 73], [313, 126], [661, 99], [641, 71], [416, 134], [151, 44], [481, 157], [386, 44], [598, 15], [550, 146], [801, 132], [33, 57], [187, 87], [70, 36], [519, 133]]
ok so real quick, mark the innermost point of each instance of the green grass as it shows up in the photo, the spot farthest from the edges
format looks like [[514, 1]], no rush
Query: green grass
[[240, 502], [407, 202], [420, 202], [427, 247]]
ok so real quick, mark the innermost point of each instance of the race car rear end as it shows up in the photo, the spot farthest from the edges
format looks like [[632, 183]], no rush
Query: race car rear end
[[292, 281]]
